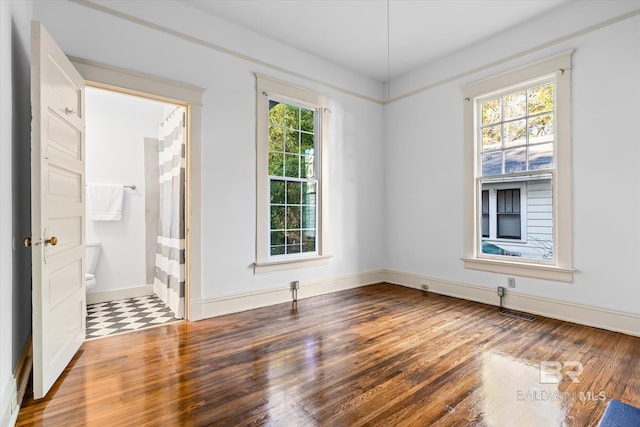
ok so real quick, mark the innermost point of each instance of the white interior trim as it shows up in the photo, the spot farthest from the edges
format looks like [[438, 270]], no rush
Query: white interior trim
[[517, 55], [612, 320], [131, 82], [507, 59], [12, 395], [250, 300], [117, 294], [8, 403], [218, 48]]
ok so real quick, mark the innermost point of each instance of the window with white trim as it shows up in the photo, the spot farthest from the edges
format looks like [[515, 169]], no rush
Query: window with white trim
[[291, 140], [518, 172]]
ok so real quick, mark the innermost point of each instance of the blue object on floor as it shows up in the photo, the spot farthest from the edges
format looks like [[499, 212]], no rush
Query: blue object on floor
[[620, 414]]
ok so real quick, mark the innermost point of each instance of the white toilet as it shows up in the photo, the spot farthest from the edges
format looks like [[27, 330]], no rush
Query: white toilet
[[92, 253]]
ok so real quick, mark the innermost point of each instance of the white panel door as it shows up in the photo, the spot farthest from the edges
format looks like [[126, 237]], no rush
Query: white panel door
[[57, 209]]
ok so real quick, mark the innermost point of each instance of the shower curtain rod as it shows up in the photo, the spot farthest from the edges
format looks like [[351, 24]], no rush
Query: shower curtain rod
[[132, 186]]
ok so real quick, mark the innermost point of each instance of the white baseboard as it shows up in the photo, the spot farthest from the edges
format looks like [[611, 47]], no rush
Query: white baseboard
[[250, 300], [11, 398], [116, 294], [9, 403], [618, 321]]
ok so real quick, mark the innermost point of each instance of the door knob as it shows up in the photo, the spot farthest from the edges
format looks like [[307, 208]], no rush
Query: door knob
[[27, 242], [53, 240]]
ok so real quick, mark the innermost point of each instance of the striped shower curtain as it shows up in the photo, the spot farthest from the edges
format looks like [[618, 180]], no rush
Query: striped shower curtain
[[169, 280]]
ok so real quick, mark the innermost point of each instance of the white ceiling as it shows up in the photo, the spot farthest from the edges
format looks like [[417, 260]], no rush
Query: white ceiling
[[353, 33]]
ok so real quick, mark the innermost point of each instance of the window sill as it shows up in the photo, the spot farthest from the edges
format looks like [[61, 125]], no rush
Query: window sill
[[285, 264], [537, 271]]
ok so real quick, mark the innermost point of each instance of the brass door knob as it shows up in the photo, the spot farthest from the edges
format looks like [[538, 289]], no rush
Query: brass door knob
[[27, 242], [53, 240]]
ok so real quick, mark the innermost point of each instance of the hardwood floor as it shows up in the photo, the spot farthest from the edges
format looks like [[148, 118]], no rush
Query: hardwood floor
[[377, 355]]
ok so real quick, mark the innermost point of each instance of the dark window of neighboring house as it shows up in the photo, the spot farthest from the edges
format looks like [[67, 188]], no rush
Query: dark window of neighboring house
[[508, 214], [485, 213]]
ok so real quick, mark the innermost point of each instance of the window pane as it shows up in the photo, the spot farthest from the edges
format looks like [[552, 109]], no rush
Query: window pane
[[292, 117], [293, 217], [308, 216], [276, 113], [492, 138], [293, 249], [307, 120], [515, 160], [292, 165], [506, 210], [276, 139], [491, 111], [485, 225], [541, 156], [277, 191], [508, 201], [277, 250], [277, 238], [277, 218], [308, 166], [293, 237], [276, 163], [308, 241], [541, 99], [485, 213], [306, 143], [294, 193], [515, 105], [541, 129], [485, 202], [292, 142], [515, 133], [492, 163], [508, 226], [309, 193]]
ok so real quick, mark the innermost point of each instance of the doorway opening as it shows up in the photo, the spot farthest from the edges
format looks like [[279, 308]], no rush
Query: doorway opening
[[135, 226]]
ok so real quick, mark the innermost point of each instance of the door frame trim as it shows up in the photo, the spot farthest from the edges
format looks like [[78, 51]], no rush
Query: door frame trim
[[151, 87]]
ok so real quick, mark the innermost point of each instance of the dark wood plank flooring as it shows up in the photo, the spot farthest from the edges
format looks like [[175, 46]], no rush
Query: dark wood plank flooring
[[377, 355]]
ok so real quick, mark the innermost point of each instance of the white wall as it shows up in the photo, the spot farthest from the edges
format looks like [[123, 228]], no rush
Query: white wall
[[116, 125], [415, 167], [15, 285], [228, 145], [424, 153]]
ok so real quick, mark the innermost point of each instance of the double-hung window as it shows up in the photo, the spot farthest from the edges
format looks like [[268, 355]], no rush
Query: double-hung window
[[291, 167], [518, 172]]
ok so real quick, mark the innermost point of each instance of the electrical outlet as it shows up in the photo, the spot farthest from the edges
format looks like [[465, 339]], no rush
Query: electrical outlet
[[295, 285], [424, 287], [511, 282]]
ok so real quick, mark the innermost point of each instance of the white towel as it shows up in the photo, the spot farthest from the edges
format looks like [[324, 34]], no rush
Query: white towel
[[104, 201]]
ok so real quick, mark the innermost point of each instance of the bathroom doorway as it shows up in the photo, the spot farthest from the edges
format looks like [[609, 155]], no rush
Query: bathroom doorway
[[135, 151]]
